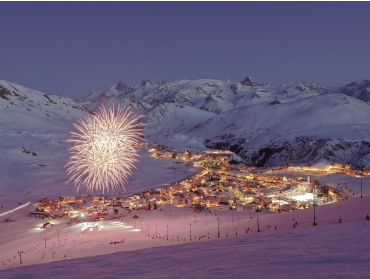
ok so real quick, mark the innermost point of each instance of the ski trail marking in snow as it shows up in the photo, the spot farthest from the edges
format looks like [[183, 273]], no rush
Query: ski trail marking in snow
[[15, 209]]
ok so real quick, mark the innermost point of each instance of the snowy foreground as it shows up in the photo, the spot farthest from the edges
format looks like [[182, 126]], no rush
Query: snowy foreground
[[330, 250], [326, 252]]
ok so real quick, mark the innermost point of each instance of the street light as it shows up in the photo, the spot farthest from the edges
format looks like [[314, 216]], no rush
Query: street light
[[258, 221], [218, 227], [20, 256], [190, 232]]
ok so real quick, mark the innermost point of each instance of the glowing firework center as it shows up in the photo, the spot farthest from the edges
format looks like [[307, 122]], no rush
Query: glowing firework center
[[104, 149]]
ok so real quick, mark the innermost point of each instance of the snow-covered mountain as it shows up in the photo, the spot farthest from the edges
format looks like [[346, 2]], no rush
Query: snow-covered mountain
[[266, 124], [210, 95], [14, 97], [23, 109], [175, 118], [360, 90], [33, 129], [329, 127]]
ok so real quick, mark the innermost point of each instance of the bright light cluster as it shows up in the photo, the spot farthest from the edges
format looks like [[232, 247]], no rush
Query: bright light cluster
[[105, 148]]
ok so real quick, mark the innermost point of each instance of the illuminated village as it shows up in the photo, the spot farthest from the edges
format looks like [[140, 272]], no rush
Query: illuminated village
[[222, 183]]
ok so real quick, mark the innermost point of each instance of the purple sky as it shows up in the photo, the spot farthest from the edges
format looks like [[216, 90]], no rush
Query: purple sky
[[71, 48]]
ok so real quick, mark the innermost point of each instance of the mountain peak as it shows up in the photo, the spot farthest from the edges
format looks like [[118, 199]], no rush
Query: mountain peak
[[306, 86], [145, 83], [120, 86], [248, 81]]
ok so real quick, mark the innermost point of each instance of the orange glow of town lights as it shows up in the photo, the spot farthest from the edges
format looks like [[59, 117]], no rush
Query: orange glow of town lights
[[105, 148]]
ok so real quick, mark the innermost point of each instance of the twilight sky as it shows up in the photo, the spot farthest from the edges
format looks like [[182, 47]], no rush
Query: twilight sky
[[72, 48]]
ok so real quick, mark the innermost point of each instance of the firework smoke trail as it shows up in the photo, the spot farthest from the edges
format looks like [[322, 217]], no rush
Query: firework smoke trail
[[104, 149]]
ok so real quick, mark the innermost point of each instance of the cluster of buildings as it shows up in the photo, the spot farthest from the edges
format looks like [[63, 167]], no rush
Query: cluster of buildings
[[223, 183], [79, 208], [226, 183]]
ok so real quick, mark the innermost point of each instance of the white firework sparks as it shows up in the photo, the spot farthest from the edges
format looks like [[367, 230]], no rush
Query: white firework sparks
[[104, 149]]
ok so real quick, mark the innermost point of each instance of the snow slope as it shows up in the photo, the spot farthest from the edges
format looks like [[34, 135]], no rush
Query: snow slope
[[329, 250], [170, 118], [14, 97]]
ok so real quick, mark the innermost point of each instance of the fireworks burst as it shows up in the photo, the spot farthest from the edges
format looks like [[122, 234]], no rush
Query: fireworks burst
[[104, 149]]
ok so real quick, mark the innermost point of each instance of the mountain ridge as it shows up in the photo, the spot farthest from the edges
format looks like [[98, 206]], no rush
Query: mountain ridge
[[333, 116], [253, 119]]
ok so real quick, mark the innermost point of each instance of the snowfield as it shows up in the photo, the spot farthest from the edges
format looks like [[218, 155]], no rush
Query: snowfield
[[329, 250]]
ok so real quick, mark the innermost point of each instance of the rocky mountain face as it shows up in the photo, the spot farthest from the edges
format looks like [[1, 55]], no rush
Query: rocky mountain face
[[360, 90], [300, 151]]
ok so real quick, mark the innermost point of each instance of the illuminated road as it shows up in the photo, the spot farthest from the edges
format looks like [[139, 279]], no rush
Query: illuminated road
[[15, 209]]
